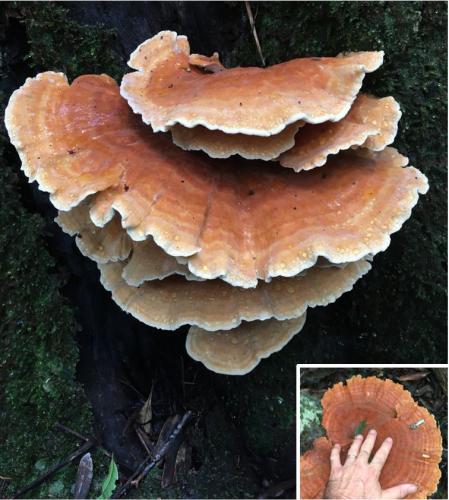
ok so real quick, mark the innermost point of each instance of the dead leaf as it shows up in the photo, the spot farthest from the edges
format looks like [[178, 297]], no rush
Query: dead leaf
[[146, 414], [84, 477], [413, 376]]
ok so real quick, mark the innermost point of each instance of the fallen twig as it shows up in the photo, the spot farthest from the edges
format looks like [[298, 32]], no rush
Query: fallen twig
[[148, 464], [168, 472], [64, 428], [70, 458], [142, 438], [253, 29]]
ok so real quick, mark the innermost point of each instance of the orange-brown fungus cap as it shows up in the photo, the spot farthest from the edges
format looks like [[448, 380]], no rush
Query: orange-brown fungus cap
[[210, 64], [215, 305], [167, 89], [235, 219], [111, 243], [218, 144], [149, 262], [315, 469], [108, 244], [372, 123], [274, 225], [389, 409], [238, 351]]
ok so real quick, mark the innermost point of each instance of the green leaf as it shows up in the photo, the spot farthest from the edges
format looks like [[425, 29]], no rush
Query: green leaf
[[360, 428], [109, 483]]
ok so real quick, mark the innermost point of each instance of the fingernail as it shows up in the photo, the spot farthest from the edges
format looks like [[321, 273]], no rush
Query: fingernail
[[411, 488], [372, 431], [359, 436], [389, 440]]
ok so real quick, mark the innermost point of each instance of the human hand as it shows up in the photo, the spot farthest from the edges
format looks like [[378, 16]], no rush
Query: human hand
[[358, 478]]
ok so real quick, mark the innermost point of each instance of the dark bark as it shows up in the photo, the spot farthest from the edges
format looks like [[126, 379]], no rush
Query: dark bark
[[209, 26]]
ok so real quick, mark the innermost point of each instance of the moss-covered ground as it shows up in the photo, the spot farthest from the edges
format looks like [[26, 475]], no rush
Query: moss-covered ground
[[396, 314]]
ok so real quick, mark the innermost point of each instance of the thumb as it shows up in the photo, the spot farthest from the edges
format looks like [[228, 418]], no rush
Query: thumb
[[399, 491]]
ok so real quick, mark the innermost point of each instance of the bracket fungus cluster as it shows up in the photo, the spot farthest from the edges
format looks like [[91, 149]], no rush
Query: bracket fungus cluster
[[220, 238], [390, 409]]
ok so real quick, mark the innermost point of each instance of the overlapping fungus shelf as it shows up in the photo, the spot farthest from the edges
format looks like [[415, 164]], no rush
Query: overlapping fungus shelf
[[238, 248]]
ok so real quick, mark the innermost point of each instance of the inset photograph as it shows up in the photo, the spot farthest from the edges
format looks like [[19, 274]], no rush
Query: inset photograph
[[372, 432]]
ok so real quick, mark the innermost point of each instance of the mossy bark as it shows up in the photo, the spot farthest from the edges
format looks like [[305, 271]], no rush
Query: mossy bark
[[38, 348]]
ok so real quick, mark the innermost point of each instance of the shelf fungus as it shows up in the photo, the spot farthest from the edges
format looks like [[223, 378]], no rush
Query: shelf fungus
[[231, 244], [167, 90], [224, 315], [215, 305], [315, 469], [240, 221], [390, 409], [234, 328], [107, 244], [372, 123], [238, 351], [218, 144]]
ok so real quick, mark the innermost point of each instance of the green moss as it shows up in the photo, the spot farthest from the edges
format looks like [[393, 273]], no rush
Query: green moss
[[310, 421], [58, 43], [310, 411], [264, 404], [38, 351]]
